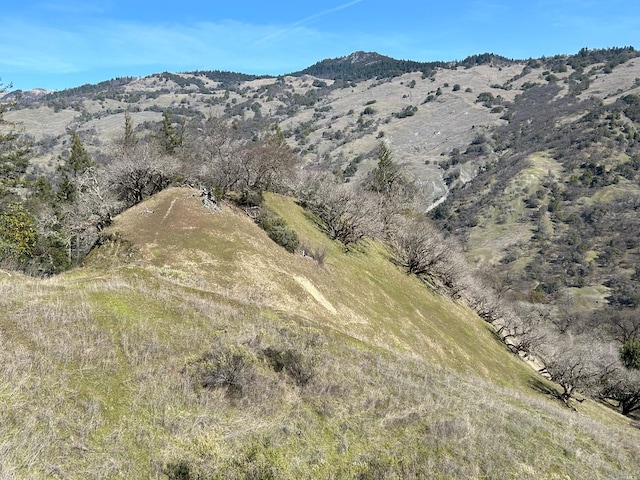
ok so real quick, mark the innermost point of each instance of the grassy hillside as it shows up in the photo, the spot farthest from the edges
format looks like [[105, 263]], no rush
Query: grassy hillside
[[192, 346]]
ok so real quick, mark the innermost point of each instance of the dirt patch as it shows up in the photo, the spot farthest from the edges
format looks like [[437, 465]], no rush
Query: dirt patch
[[315, 293]]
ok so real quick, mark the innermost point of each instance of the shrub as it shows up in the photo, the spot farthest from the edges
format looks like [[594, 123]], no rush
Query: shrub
[[231, 367], [317, 253], [179, 470], [630, 355], [296, 364], [408, 111], [278, 230]]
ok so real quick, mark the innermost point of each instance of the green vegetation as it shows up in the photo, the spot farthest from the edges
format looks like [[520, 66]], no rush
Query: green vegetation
[[186, 343], [256, 362], [364, 66], [630, 355], [277, 230]]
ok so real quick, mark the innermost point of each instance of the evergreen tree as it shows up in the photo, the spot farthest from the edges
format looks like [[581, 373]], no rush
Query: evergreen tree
[[14, 152], [129, 138], [170, 138], [18, 233], [71, 169], [386, 174]]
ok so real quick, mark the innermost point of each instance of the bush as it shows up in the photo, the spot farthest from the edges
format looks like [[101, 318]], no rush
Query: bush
[[408, 111], [231, 367], [296, 364], [278, 230], [317, 253], [180, 470], [630, 355]]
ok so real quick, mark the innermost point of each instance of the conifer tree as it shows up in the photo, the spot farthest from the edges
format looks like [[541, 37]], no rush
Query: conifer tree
[[170, 137], [386, 174], [14, 152], [71, 169], [129, 138]]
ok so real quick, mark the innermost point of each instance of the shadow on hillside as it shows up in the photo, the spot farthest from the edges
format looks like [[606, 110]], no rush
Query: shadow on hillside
[[540, 385]]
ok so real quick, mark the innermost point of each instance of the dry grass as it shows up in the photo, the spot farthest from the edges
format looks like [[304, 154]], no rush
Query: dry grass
[[94, 376]]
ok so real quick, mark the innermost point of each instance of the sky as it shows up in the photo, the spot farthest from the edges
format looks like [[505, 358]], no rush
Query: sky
[[57, 44]]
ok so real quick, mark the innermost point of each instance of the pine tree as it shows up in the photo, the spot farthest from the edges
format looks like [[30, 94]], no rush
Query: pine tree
[[129, 138], [71, 169], [386, 174], [170, 137], [14, 152]]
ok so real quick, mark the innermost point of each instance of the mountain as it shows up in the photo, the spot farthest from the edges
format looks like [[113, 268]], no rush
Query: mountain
[[190, 345], [554, 208], [499, 338], [360, 66]]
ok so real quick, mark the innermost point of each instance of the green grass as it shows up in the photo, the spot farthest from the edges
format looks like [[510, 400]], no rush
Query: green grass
[[94, 376]]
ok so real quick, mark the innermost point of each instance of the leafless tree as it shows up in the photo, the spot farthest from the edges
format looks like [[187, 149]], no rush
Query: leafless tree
[[418, 246], [140, 171], [523, 328], [225, 162], [623, 387], [624, 325], [346, 215], [570, 367]]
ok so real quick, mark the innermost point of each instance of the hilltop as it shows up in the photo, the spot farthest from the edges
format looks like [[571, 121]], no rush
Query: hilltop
[[191, 345]]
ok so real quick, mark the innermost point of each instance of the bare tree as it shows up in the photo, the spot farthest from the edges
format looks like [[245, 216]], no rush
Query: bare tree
[[225, 162], [138, 168], [140, 172], [418, 246], [581, 366], [623, 387], [624, 325], [345, 215], [522, 328]]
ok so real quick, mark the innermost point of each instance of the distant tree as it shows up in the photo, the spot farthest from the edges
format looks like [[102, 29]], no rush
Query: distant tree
[[396, 191], [129, 138], [15, 151], [170, 137], [224, 162], [344, 214], [386, 174], [630, 355], [419, 247], [456, 87], [72, 168], [139, 168]]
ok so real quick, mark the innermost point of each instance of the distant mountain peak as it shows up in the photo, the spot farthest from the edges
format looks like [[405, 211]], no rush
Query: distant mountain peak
[[364, 58], [362, 65]]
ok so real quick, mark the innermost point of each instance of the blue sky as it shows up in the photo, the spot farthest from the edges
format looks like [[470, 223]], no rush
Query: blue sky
[[56, 44]]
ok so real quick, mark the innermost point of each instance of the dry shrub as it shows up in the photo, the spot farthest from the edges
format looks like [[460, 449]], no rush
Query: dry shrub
[[227, 366], [317, 253]]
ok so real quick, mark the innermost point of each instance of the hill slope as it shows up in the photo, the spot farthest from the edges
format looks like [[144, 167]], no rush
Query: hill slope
[[191, 346]]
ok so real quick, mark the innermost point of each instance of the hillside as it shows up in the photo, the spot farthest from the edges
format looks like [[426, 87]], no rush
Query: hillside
[[424, 110], [555, 210], [167, 335], [190, 345]]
